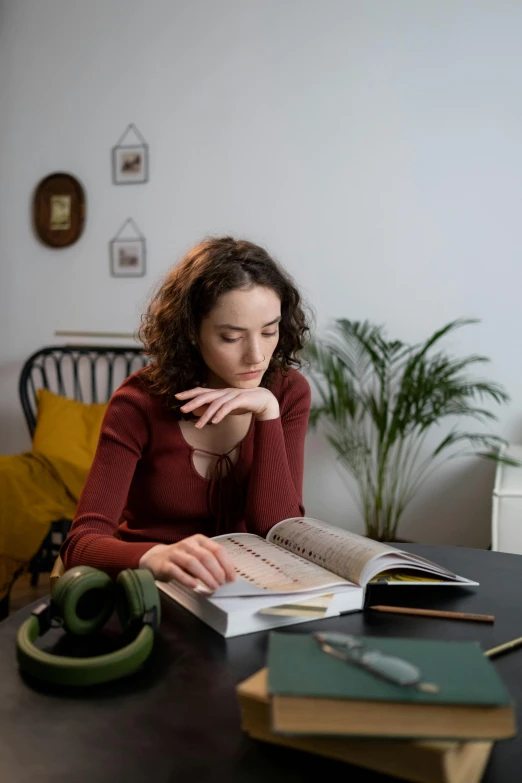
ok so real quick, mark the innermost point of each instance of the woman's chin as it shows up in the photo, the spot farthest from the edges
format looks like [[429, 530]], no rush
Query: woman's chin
[[238, 382], [248, 383]]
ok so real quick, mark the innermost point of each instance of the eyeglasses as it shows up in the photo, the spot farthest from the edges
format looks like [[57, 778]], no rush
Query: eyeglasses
[[388, 667]]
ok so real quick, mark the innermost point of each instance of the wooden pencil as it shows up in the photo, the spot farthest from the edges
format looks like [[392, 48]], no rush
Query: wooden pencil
[[481, 618], [502, 648]]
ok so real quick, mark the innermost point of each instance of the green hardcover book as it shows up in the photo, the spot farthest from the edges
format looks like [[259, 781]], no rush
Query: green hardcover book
[[315, 693]]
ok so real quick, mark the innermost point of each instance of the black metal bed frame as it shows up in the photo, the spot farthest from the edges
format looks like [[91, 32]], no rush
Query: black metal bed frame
[[84, 373]]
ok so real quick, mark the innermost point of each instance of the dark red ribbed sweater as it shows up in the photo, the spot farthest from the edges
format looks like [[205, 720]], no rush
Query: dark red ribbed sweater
[[143, 474]]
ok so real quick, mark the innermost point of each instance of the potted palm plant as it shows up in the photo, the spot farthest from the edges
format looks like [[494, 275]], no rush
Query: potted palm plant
[[380, 401]]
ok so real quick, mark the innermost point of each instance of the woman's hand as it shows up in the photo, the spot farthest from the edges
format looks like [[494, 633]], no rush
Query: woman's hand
[[222, 402], [192, 559]]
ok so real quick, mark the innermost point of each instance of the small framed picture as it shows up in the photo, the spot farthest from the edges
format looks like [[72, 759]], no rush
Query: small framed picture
[[129, 165], [130, 158], [127, 257]]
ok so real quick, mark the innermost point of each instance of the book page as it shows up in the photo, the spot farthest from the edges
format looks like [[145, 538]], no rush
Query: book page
[[406, 568], [355, 557], [271, 568], [341, 551]]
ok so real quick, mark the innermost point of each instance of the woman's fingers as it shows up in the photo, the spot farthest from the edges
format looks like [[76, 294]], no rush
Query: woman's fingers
[[202, 399], [196, 558], [227, 407], [222, 555], [194, 567], [214, 407], [172, 571], [191, 392], [208, 559]]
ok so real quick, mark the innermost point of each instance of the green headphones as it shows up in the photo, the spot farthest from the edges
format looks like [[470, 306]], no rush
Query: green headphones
[[82, 601]]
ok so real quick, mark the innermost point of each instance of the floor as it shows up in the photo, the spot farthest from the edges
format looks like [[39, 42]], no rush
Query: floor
[[22, 593]]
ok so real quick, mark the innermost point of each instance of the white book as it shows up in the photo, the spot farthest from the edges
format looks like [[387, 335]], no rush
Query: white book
[[303, 570]]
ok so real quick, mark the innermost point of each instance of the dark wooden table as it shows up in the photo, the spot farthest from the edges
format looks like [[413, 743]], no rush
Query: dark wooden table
[[178, 719]]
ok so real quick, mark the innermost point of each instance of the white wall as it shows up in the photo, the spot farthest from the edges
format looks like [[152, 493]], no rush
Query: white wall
[[373, 146]]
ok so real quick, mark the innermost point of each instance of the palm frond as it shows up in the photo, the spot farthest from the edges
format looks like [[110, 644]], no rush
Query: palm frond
[[381, 398]]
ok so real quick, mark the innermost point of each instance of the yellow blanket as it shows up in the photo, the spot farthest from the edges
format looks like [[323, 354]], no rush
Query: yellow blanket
[[35, 490]]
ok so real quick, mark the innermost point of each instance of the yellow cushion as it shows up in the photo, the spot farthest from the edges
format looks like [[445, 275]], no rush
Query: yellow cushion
[[66, 429]]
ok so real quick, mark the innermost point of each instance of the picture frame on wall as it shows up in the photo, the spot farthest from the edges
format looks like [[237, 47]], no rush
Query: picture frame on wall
[[130, 158], [59, 210], [127, 251]]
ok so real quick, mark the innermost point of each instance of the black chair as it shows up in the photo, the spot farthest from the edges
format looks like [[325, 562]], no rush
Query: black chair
[[84, 373]]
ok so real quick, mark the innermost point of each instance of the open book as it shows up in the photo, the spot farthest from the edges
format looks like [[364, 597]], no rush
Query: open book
[[303, 570]]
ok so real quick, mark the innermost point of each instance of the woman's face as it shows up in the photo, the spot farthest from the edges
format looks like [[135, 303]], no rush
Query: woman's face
[[239, 336]]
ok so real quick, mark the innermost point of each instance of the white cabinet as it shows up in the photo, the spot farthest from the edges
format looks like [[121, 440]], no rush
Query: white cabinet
[[506, 522]]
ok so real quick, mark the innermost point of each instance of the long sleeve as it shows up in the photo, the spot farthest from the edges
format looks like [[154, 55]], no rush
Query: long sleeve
[[276, 479], [124, 436]]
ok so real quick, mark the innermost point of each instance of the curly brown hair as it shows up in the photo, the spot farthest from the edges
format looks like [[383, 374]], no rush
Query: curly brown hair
[[187, 294]]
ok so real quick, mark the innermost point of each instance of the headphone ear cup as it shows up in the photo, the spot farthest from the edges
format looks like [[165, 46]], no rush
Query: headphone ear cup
[[136, 594], [84, 598]]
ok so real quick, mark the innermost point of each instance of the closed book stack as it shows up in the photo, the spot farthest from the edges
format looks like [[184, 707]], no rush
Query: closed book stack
[[418, 761], [442, 732], [313, 693]]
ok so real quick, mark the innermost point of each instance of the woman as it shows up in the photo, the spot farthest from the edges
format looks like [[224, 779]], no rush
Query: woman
[[209, 438]]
